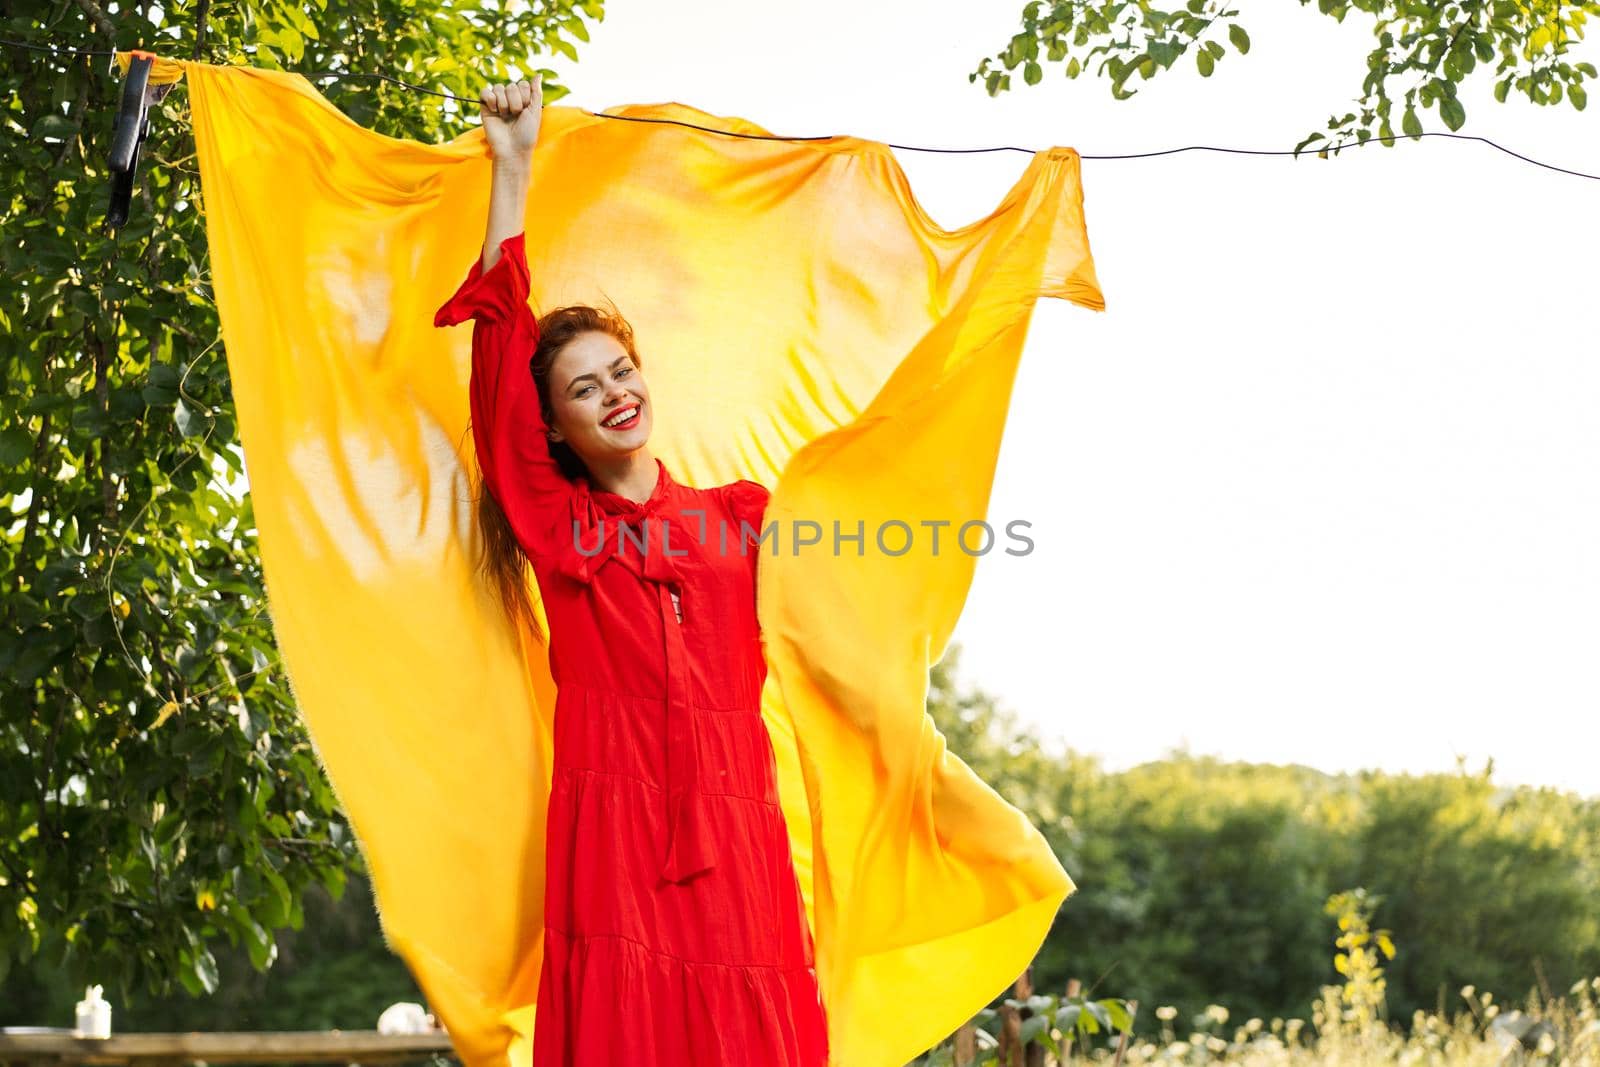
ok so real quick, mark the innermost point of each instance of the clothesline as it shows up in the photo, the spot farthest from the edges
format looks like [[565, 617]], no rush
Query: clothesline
[[909, 148]]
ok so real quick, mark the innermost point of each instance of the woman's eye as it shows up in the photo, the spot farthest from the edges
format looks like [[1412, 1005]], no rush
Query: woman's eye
[[624, 372], [582, 391]]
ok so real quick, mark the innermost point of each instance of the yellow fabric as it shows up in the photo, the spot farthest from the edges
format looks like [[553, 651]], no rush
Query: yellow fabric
[[803, 323], [163, 71]]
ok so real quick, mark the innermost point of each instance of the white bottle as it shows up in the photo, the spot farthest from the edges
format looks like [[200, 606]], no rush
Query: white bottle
[[94, 1014]]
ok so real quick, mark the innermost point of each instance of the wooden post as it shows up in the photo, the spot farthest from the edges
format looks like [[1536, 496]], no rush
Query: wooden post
[[1030, 1055], [1033, 1055], [1122, 1039], [1069, 1038], [1010, 1054], [1010, 1051], [966, 1045]]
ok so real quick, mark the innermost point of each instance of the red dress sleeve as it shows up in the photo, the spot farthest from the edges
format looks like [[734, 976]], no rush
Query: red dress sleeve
[[748, 504], [508, 430], [746, 501]]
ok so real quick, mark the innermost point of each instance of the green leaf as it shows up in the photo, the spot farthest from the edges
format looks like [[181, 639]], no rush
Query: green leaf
[[1411, 124], [1203, 60], [292, 44], [99, 630], [275, 905], [1580, 98], [205, 971], [1453, 113], [1240, 39], [300, 20], [257, 942], [1121, 1019], [15, 444], [1032, 74], [1308, 140], [1501, 88], [55, 126], [189, 424]]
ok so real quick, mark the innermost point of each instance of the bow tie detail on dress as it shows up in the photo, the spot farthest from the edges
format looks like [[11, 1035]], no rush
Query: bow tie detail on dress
[[641, 543], [593, 535]]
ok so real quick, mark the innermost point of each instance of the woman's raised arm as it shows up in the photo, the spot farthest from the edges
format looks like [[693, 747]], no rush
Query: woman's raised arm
[[508, 427], [511, 115]]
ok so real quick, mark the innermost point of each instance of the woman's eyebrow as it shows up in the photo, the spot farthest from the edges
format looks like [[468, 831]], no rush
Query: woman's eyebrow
[[591, 376]]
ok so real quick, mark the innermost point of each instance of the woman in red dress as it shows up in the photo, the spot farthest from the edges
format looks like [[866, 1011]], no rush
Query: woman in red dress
[[675, 933]]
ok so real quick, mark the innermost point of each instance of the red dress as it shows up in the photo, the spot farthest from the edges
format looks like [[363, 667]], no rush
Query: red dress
[[675, 933]]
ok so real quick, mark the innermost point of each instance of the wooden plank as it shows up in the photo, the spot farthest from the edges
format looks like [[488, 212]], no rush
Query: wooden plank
[[302, 1046]]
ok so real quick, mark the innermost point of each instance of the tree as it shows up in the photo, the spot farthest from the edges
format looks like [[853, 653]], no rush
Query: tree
[[157, 790], [1423, 52]]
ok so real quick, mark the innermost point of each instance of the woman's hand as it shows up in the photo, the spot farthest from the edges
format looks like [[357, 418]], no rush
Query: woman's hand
[[510, 115]]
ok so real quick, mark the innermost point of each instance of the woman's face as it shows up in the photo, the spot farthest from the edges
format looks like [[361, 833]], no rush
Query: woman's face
[[593, 384]]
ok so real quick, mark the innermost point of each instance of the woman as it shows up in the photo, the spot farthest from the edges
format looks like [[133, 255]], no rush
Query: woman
[[675, 932]]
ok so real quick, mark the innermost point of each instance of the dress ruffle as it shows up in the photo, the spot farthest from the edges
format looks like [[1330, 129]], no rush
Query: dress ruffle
[[634, 1005]]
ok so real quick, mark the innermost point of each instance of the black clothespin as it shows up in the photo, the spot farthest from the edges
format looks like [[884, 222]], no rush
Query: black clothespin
[[133, 123]]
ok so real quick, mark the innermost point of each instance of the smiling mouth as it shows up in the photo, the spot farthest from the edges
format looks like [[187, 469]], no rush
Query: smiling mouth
[[624, 418]]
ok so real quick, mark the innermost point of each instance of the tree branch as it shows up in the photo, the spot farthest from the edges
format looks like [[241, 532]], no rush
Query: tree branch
[[200, 28], [102, 395], [98, 17]]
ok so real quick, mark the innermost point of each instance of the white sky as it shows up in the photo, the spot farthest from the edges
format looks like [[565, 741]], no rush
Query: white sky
[[1320, 486]]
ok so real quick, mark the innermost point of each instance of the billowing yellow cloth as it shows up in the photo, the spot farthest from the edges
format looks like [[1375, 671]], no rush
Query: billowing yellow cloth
[[804, 324]]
